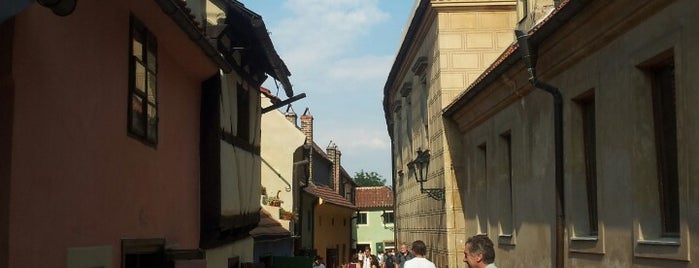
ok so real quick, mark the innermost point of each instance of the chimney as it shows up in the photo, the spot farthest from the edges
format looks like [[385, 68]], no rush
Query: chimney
[[291, 115], [334, 155], [307, 129], [307, 126]]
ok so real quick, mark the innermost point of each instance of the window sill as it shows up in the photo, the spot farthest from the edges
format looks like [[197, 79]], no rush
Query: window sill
[[666, 248], [660, 242], [584, 238], [586, 245], [506, 240]]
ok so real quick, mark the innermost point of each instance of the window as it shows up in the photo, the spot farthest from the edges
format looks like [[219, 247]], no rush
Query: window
[[586, 236], [233, 262], [483, 184], [349, 194], [388, 217], [665, 126], [587, 107], [143, 80], [506, 217], [361, 218], [141, 253]]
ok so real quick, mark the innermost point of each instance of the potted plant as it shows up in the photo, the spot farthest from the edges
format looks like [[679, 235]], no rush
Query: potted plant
[[272, 201], [285, 215]]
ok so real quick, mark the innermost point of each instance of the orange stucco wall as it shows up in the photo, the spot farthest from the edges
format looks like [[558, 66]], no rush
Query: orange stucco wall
[[77, 178]]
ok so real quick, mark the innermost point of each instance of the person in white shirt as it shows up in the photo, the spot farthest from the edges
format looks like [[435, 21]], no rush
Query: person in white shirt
[[419, 261]]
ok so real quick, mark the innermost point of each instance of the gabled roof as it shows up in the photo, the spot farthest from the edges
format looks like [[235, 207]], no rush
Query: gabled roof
[[320, 151], [374, 197], [268, 228], [346, 175], [328, 195]]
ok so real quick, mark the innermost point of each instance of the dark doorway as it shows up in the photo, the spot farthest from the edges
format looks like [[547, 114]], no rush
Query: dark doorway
[[331, 258]]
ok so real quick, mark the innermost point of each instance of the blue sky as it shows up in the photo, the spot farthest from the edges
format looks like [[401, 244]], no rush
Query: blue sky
[[339, 53]]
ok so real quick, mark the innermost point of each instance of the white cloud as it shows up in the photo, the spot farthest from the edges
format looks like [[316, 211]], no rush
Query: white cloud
[[319, 32], [361, 68], [324, 43], [357, 139]]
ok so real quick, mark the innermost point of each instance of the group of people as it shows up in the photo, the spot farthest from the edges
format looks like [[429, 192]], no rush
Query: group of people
[[478, 253]]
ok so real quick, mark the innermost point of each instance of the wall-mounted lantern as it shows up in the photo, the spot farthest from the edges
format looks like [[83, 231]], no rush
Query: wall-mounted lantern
[[419, 168]]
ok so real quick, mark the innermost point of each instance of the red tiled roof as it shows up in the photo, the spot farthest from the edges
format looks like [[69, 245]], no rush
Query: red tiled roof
[[374, 197], [268, 228], [328, 195]]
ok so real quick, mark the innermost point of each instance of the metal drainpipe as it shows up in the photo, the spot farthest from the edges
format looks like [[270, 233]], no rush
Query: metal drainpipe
[[523, 41]]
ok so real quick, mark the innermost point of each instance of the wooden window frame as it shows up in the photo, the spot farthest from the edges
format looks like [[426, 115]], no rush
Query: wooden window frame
[[142, 246], [386, 217], [147, 129], [360, 216]]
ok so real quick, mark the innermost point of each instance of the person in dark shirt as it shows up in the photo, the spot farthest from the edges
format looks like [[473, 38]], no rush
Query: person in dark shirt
[[404, 255], [369, 261]]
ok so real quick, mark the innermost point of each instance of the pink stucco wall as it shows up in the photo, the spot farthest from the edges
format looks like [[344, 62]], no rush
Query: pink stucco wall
[[77, 178]]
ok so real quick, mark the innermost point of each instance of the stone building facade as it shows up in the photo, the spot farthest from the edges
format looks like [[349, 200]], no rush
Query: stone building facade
[[447, 46], [624, 71]]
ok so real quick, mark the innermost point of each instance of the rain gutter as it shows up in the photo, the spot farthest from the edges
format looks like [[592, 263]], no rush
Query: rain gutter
[[523, 41]]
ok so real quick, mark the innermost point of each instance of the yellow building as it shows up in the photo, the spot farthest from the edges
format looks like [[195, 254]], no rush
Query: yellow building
[[326, 203], [447, 45]]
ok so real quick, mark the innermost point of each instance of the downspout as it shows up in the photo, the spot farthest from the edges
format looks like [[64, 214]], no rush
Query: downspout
[[288, 185], [522, 40]]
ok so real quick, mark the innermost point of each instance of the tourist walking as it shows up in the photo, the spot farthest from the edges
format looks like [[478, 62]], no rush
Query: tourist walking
[[419, 261], [479, 252], [403, 255]]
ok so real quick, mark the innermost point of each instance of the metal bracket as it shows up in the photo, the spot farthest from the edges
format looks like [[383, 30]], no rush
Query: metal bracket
[[434, 193]]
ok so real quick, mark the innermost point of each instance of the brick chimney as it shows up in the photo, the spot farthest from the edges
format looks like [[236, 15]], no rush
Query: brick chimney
[[334, 155], [307, 129], [307, 126], [291, 115]]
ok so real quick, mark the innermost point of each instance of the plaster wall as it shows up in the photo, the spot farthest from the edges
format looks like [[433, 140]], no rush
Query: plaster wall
[[77, 178], [375, 231], [628, 207], [279, 140], [331, 227]]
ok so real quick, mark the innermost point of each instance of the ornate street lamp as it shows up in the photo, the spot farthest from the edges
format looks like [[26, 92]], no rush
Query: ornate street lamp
[[419, 168]]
